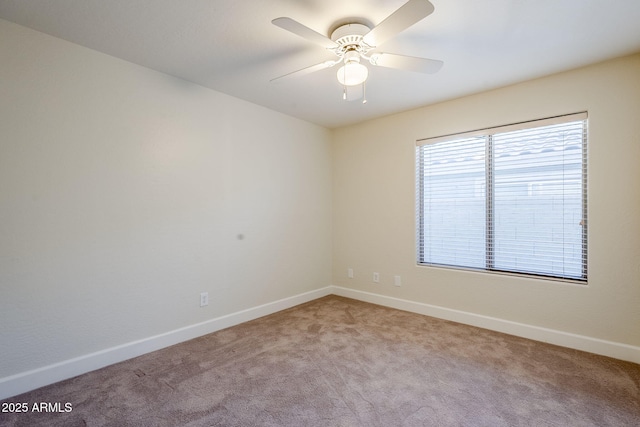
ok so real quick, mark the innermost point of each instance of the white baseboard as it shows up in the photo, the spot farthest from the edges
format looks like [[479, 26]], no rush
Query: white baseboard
[[30, 380], [578, 342]]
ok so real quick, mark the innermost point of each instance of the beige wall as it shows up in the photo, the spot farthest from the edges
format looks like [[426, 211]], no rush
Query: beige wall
[[374, 205], [122, 193]]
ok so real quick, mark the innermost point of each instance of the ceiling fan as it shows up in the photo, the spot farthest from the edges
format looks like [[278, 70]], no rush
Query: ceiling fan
[[355, 41]]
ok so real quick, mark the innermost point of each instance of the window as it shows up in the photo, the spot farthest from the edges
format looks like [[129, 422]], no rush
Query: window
[[508, 199]]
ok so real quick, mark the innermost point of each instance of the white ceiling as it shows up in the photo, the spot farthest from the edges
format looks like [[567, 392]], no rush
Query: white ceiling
[[232, 47]]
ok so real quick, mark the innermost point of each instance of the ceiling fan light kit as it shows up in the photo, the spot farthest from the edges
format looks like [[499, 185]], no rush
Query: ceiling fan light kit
[[352, 72], [354, 41]]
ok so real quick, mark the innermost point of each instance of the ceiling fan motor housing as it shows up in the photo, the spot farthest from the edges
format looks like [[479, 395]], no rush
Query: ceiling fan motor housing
[[348, 37]]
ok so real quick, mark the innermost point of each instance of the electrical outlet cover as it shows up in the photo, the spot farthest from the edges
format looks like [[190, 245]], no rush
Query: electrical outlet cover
[[204, 299]]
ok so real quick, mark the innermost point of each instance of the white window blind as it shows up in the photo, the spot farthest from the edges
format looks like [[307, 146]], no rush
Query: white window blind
[[508, 199]]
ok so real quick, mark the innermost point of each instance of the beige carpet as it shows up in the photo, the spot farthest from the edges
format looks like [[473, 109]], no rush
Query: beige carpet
[[340, 362]]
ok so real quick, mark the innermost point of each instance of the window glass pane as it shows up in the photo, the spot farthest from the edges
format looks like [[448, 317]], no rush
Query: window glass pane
[[453, 203], [537, 203]]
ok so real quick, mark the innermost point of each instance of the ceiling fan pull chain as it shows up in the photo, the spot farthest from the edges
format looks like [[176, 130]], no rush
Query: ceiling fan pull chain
[[364, 92], [344, 86]]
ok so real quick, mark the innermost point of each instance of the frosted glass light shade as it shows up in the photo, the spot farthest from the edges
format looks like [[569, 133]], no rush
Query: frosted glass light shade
[[352, 73]]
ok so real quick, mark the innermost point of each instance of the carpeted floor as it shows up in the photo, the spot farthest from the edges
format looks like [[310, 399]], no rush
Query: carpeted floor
[[339, 362]]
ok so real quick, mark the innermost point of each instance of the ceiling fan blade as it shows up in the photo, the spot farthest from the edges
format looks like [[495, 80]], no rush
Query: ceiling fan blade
[[409, 63], [407, 15], [305, 32], [305, 71]]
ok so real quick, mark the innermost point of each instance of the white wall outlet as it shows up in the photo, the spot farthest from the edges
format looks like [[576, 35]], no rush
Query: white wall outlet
[[376, 277], [350, 273], [397, 280], [204, 299]]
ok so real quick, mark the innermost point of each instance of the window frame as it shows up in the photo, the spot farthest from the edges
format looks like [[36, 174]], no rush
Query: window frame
[[489, 197]]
